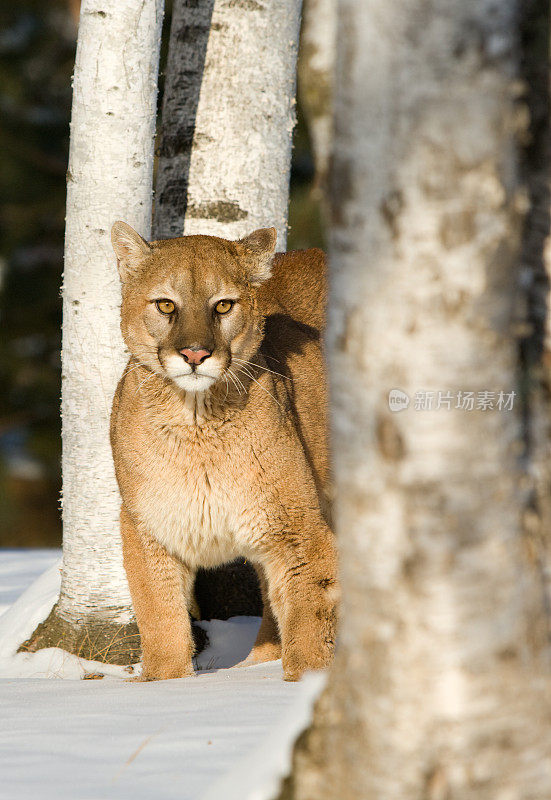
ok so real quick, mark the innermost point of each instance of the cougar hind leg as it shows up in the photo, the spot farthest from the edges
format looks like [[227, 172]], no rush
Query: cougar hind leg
[[267, 646]]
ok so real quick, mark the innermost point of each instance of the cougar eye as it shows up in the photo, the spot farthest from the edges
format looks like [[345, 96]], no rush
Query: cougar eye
[[165, 306], [223, 306]]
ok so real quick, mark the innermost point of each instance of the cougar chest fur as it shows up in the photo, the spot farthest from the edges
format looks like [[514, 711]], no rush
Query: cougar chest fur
[[193, 493], [191, 512]]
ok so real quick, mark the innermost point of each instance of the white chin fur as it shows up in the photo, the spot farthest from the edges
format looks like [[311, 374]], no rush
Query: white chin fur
[[188, 380], [194, 382]]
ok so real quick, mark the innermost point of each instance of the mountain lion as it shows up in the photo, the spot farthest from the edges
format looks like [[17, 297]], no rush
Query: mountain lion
[[219, 440]]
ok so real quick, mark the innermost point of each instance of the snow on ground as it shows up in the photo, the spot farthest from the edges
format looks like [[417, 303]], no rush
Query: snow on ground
[[18, 568], [223, 733]]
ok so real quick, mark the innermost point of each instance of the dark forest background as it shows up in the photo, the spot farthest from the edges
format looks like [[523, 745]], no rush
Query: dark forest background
[[37, 48]]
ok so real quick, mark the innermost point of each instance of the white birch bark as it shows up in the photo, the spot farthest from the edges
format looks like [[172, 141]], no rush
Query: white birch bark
[[226, 143], [440, 688], [109, 177]]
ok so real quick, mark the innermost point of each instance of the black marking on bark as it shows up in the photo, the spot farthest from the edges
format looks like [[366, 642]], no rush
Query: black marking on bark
[[176, 143], [457, 228], [186, 61], [341, 187], [200, 138], [189, 34], [222, 211], [246, 5], [185, 85], [390, 442], [174, 198], [391, 206]]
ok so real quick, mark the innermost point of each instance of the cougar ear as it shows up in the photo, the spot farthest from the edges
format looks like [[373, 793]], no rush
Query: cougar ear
[[259, 248], [130, 249]]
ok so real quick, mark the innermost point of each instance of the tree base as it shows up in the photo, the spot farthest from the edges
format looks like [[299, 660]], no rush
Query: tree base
[[93, 640], [228, 591], [111, 643]]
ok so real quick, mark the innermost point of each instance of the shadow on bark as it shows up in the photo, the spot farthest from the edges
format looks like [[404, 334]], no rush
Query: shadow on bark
[[533, 316], [189, 35]]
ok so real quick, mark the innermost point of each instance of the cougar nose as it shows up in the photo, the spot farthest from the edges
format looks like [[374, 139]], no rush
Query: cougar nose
[[195, 354]]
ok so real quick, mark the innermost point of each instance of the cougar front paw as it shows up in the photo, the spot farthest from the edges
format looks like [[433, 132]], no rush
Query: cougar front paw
[[166, 669]]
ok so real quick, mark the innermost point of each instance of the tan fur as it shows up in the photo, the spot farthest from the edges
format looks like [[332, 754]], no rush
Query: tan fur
[[228, 459]]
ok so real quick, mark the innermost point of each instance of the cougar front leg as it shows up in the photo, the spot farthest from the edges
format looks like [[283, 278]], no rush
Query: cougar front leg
[[159, 586], [301, 567]]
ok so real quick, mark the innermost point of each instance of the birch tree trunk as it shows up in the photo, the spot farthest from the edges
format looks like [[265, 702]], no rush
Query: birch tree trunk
[[440, 689], [224, 160], [109, 177], [228, 117]]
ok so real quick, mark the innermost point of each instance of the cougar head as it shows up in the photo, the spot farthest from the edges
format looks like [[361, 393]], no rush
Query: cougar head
[[189, 304]]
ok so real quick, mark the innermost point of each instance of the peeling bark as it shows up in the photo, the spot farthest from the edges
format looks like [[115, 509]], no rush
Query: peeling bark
[[440, 688]]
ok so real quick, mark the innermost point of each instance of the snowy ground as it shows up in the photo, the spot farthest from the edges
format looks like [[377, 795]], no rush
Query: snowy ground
[[224, 733]]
